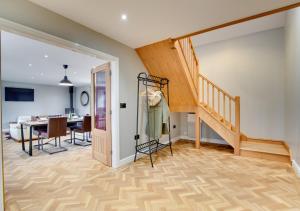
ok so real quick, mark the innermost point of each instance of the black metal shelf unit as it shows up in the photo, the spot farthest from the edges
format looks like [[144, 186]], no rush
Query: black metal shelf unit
[[151, 146]]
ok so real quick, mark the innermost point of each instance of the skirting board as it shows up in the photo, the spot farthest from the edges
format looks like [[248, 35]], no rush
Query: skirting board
[[206, 140], [214, 141], [296, 167], [130, 158], [187, 138]]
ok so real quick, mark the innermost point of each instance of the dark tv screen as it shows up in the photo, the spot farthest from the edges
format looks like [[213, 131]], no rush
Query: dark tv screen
[[19, 94]]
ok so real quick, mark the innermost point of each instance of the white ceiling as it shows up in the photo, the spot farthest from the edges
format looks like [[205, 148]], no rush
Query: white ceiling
[[242, 29], [18, 52], [153, 20]]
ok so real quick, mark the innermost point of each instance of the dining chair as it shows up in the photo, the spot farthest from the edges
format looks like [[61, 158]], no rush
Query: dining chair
[[83, 128], [56, 128]]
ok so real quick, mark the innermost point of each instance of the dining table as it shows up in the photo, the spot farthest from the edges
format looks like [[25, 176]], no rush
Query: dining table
[[39, 123]]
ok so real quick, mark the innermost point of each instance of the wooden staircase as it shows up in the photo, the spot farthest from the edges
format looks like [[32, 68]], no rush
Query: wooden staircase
[[191, 91], [162, 59], [266, 149], [220, 111]]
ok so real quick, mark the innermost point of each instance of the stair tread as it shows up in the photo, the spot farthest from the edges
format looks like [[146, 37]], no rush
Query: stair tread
[[278, 149]]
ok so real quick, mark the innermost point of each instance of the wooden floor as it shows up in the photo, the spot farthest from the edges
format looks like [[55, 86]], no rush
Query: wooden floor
[[211, 178]]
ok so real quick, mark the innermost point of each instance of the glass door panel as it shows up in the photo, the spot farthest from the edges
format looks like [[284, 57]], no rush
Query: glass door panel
[[100, 100]]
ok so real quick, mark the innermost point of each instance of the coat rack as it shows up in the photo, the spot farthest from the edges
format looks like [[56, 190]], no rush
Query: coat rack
[[152, 145]]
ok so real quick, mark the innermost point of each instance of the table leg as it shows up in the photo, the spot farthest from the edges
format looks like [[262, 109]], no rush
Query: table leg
[[22, 136], [30, 141]]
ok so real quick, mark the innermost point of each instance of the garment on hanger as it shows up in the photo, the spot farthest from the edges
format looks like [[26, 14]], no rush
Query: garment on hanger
[[158, 120], [158, 115], [154, 96]]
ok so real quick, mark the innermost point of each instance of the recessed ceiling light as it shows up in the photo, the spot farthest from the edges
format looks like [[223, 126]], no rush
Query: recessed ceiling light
[[75, 72], [32, 77], [42, 74], [124, 17], [46, 56], [30, 65]]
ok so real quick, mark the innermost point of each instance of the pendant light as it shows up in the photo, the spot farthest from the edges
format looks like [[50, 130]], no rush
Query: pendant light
[[65, 81]]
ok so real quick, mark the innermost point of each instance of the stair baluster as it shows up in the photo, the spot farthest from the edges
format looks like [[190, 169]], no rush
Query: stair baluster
[[225, 100], [191, 60], [206, 91]]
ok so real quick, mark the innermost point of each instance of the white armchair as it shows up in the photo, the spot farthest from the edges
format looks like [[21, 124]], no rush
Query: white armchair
[[15, 129]]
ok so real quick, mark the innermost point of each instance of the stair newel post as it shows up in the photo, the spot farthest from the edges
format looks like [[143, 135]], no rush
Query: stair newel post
[[197, 130], [237, 126]]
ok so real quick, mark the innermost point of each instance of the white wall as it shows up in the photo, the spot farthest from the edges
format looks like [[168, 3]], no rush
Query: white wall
[[292, 76], [48, 100], [251, 67], [79, 109], [175, 122]]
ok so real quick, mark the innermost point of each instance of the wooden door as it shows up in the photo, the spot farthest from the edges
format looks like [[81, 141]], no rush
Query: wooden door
[[101, 114]]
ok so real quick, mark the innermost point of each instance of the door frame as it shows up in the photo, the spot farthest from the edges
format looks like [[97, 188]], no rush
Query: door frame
[[12, 27], [2, 194]]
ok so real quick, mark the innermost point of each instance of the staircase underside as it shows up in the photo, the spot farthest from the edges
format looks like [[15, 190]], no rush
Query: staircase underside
[[162, 59]]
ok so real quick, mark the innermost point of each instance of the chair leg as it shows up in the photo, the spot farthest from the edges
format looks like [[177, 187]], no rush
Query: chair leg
[[55, 142], [81, 142], [89, 137]]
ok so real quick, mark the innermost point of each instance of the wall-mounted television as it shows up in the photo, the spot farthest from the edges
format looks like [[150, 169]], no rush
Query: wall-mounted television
[[19, 94]]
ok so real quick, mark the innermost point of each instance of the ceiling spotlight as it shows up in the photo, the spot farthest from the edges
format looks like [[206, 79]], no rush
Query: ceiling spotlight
[[46, 56], [42, 74], [30, 65], [32, 77], [124, 17]]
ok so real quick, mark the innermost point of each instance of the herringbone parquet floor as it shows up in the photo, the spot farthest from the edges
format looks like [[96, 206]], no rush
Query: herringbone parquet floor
[[207, 179]]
